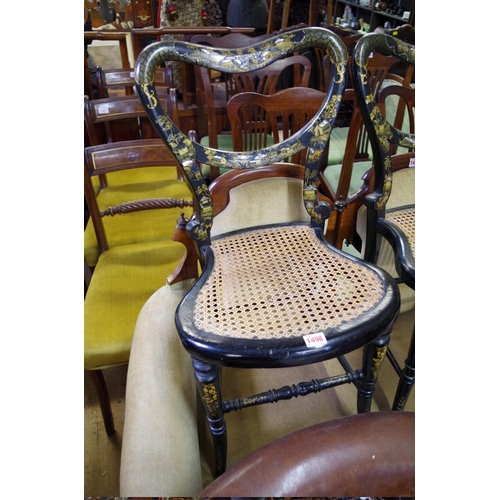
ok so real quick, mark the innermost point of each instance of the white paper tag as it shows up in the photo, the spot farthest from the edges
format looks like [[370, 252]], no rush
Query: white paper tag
[[104, 109], [315, 339], [132, 74], [412, 163]]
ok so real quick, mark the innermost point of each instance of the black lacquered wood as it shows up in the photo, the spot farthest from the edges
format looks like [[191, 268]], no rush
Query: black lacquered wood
[[404, 258], [384, 137], [292, 391], [208, 378], [406, 376]]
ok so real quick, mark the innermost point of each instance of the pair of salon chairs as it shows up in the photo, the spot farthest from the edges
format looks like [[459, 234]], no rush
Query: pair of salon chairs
[[273, 294]]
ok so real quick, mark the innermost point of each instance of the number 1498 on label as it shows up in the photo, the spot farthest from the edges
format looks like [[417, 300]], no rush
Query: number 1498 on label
[[315, 339]]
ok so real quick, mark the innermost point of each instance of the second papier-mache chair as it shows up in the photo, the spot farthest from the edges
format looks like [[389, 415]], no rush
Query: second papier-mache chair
[[390, 210], [273, 295]]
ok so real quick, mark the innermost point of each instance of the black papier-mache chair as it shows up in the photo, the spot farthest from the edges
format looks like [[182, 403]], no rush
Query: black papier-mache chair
[[274, 295], [393, 160]]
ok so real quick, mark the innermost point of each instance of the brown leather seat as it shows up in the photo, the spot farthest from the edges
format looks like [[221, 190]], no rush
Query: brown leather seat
[[369, 454]]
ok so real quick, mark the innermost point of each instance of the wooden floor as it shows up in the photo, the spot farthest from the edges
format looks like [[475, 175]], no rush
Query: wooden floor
[[102, 453]]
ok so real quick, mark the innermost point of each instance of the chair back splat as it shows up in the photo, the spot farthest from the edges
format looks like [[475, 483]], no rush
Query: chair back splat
[[276, 294]]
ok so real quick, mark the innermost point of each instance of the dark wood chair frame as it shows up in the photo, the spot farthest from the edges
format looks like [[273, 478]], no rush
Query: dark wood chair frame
[[209, 351], [384, 138], [255, 117], [264, 81], [123, 118], [101, 160], [124, 79]]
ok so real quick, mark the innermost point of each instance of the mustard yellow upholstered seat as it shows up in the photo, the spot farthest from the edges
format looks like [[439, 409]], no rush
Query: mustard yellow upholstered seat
[[132, 261], [135, 227], [106, 121], [123, 280]]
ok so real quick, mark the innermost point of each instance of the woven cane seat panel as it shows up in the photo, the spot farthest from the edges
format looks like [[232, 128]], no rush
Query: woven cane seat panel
[[404, 219], [282, 282]]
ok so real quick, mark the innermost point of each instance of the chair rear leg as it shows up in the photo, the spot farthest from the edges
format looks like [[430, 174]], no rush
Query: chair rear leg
[[103, 398], [407, 378]]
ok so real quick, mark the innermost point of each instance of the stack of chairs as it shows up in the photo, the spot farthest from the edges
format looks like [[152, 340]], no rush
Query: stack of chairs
[[135, 194]]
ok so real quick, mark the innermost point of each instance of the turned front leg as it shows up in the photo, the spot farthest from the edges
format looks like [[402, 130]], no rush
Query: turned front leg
[[208, 378], [373, 356]]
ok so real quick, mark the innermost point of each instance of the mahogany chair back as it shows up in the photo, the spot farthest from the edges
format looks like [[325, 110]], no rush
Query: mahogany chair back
[[342, 182], [228, 41], [213, 97], [123, 80], [405, 33], [256, 117], [269, 80], [123, 118]]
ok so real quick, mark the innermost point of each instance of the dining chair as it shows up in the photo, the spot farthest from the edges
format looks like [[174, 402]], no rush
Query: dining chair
[[173, 397], [275, 294], [212, 97], [122, 80], [259, 120], [125, 273], [122, 120], [389, 223], [342, 180]]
